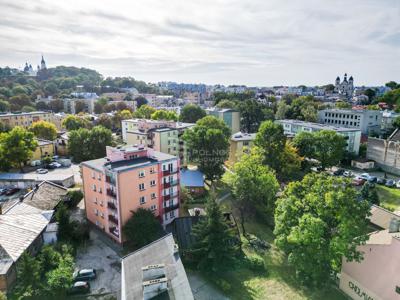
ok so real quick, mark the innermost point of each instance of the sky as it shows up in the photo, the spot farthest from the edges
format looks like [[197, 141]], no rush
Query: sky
[[257, 42]]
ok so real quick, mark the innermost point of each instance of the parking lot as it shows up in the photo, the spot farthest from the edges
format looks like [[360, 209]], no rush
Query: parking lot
[[99, 256], [72, 170]]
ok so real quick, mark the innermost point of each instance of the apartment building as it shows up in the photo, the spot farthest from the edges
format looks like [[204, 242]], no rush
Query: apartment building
[[126, 179], [368, 121], [230, 116], [239, 144], [162, 136], [352, 136], [71, 104], [25, 119]]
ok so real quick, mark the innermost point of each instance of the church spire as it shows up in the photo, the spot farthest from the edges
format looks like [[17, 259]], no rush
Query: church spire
[[42, 63]]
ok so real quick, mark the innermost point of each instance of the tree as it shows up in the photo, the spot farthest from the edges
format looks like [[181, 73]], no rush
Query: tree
[[162, 114], [342, 105], [16, 147], [225, 103], [191, 113], [370, 93], [368, 193], [393, 85], [318, 221], [391, 97], [2, 296], [150, 228], [330, 148], [4, 106], [121, 106], [144, 112], [44, 130], [396, 122], [41, 105], [72, 122], [254, 187], [105, 121], [28, 274], [121, 115], [208, 145], [282, 110], [98, 108], [215, 246], [252, 114], [85, 144], [64, 223], [56, 105], [80, 106], [60, 279], [48, 258], [304, 141], [140, 101]]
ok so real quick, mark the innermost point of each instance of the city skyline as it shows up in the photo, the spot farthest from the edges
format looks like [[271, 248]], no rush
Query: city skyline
[[262, 43]]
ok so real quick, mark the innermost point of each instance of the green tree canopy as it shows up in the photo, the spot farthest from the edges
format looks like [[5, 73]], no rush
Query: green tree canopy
[[191, 113], [150, 228], [16, 147], [216, 245], [252, 114], [225, 103], [254, 187], [368, 192], [44, 130], [318, 221], [208, 145], [4, 106], [73, 122], [144, 112], [162, 114]]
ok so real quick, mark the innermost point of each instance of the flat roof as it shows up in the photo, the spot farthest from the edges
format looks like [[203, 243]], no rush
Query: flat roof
[[35, 176], [23, 113], [317, 125], [160, 251], [348, 110], [381, 217], [192, 178]]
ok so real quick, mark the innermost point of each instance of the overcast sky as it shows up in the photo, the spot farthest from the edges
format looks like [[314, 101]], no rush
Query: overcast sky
[[257, 42]]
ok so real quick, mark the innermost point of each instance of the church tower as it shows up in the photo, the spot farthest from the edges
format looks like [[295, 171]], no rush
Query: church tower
[[43, 64]]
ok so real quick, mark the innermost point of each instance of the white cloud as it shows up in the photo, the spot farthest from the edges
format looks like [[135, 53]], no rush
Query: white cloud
[[255, 42]]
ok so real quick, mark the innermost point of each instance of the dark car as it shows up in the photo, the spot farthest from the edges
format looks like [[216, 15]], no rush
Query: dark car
[[381, 180], [11, 191], [372, 178], [3, 191], [79, 287], [390, 183], [85, 275], [358, 181], [338, 172]]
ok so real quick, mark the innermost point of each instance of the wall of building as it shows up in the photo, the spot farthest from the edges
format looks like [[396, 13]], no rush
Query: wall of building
[[385, 153]]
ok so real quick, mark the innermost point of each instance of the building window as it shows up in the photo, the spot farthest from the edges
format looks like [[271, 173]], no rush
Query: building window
[[153, 207], [152, 170], [142, 200], [141, 186], [100, 191], [96, 211], [94, 187], [99, 176], [95, 200], [93, 175], [152, 183], [172, 214], [141, 173], [102, 215], [153, 195]]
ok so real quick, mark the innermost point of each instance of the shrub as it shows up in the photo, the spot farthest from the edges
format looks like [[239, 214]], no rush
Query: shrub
[[255, 263], [224, 285], [75, 197]]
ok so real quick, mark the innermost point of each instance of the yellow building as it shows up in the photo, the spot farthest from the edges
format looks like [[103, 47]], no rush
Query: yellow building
[[25, 119], [45, 148], [240, 143]]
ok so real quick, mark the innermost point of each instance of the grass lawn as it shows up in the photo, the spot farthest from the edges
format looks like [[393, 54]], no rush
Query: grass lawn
[[389, 197], [277, 282]]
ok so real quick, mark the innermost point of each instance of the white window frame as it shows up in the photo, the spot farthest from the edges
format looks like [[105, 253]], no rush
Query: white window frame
[[142, 187], [142, 200], [142, 174]]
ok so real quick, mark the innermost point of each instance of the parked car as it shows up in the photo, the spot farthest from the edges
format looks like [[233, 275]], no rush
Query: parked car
[[79, 287], [338, 172], [381, 180], [54, 165], [56, 157], [358, 181], [35, 163], [347, 174], [364, 176], [12, 191], [390, 183], [372, 179], [41, 171], [398, 184], [85, 275], [3, 191]]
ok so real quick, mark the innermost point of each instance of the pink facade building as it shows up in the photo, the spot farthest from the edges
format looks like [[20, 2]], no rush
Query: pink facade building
[[126, 179]]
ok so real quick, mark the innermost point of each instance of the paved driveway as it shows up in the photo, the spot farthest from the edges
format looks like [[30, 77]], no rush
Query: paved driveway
[[99, 256], [201, 289]]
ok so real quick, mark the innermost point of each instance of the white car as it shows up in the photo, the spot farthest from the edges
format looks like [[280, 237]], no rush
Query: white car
[[398, 184], [365, 176], [56, 165], [41, 171], [348, 174]]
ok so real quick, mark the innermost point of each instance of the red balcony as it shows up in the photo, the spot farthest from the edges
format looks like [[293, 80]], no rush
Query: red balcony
[[170, 208], [111, 193], [113, 219], [113, 230], [169, 172], [166, 185], [168, 197]]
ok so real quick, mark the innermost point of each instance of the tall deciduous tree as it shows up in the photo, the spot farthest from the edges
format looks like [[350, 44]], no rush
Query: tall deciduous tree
[[162, 114], [72, 122], [16, 147], [44, 130], [254, 187], [215, 244], [150, 228], [144, 112], [191, 113], [208, 145], [252, 114], [318, 221]]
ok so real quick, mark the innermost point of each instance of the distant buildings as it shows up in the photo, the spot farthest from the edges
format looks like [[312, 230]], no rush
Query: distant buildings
[[25, 119], [230, 116], [155, 272], [368, 121], [346, 87], [28, 69], [87, 99], [160, 135], [44, 149], [240, 143], [128, 178], [352, 136]]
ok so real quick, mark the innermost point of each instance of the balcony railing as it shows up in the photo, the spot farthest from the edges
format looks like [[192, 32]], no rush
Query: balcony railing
[[168, 197], [168, 172], [111, 193], [114, 230], [111, 205], [170, 208], [113, 219], [110, 180], [166, 185]]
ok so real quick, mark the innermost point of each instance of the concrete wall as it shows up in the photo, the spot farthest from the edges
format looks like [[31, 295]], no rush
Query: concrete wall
[[386, 154]]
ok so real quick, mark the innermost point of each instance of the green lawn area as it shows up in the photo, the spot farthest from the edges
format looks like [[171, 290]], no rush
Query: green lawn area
[[277, 282], [389, 197]]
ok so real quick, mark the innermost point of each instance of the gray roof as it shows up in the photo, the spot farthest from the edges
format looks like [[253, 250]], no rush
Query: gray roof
[[239, 136], [192, 178], [46, 196], [35, 176], [160, 251], [316, 125], [381, 217]]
